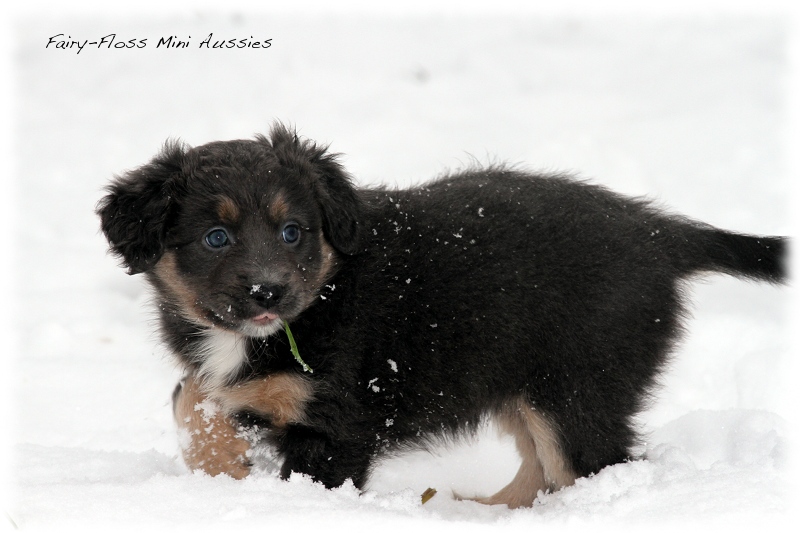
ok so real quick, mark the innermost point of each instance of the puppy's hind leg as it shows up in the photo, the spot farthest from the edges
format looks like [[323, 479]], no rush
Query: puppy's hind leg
[[529, 479], [544, 467], [210, 440]]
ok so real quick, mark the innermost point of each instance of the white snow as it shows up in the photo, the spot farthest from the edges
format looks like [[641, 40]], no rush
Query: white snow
[[691, 109]]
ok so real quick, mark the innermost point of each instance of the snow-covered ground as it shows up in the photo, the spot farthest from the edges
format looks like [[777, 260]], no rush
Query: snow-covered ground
[[691, 110]]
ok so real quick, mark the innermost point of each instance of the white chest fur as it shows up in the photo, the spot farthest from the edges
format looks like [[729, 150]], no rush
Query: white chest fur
[[223, 355]]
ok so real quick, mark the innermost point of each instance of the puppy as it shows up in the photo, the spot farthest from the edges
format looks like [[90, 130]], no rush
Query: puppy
[[546, 303]]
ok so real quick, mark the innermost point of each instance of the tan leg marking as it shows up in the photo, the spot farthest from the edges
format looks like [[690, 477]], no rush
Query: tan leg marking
[[529, 479], [281, 397], [557, 471], [211, 440], [543, 467]]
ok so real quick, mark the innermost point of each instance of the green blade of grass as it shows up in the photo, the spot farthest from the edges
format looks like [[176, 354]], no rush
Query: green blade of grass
[[293, 348]]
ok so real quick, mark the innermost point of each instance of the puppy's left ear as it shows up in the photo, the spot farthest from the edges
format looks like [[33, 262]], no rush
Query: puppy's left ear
[[134, 214], [342, 208]]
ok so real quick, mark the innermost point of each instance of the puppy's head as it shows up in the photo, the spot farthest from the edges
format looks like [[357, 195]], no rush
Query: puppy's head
[[238, 235]]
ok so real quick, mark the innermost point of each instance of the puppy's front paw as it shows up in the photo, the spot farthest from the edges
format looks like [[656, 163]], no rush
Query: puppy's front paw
[[210, 440]]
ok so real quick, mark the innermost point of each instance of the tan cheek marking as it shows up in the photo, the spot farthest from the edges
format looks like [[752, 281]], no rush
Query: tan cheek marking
[[310, 285], [166, 271], [282, 397], [227, 210], [329, 261], [211, 441]]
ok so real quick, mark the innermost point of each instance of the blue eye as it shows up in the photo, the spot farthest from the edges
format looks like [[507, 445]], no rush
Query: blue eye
[[217, 238], [291, 233]]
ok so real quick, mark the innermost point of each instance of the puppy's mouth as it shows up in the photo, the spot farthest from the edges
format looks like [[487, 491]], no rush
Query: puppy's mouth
[[260, 324], [264, 319], [250, 322]]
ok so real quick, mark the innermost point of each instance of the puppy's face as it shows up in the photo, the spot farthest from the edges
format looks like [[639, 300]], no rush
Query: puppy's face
[[246, 250], [236, 235]]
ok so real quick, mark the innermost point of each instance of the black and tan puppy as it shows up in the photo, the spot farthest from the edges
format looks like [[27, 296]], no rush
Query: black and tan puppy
[[547, 303]]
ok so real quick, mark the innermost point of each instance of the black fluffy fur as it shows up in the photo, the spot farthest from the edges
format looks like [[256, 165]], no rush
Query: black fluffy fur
[[448, 299]]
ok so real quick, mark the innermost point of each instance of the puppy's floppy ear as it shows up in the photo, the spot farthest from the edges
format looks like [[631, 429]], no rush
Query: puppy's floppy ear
[[341, 207], [135, 212]]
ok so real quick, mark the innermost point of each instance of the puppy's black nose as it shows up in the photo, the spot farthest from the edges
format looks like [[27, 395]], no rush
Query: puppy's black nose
[[266, 296]]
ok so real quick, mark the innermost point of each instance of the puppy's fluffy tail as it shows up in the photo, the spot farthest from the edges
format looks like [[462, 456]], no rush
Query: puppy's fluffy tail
[[747, 256]]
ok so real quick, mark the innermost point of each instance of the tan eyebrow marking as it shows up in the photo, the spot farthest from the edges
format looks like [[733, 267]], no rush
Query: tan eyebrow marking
[[227, 210], [279, 208]]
